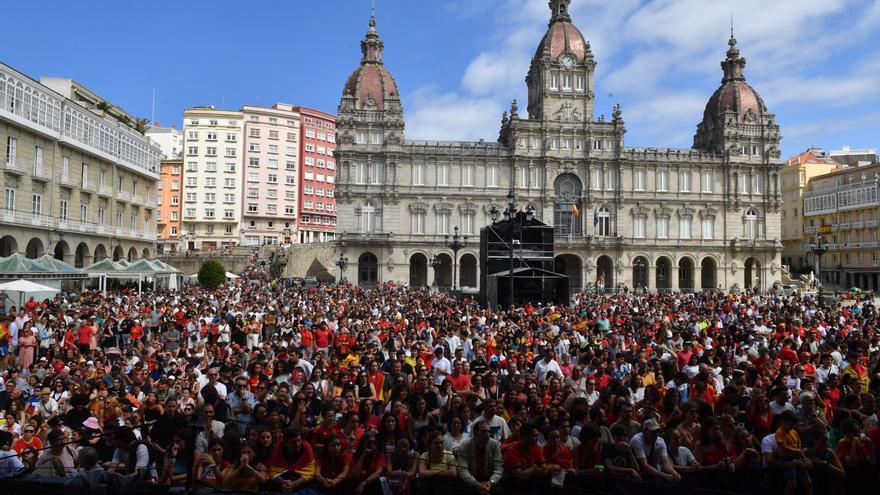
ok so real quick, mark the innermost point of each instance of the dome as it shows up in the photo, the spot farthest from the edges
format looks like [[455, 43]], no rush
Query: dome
[[562, 36], [371, 85], [735, 94]]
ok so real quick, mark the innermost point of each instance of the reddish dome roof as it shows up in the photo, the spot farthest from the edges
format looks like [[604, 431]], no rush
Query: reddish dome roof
[[371, 81], [561, 37], [737, 96]]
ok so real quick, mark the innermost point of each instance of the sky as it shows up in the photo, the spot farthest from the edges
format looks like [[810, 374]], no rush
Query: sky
[[459, 63]]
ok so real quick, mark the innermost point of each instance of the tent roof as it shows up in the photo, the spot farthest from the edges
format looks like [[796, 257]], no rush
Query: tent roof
[[22, 285], [55, 265], [164, 265], [106, 265], [18, 263], [122, 262], [143, 266]]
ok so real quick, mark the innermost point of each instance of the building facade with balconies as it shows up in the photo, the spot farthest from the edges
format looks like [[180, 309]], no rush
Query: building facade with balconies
[[844, 207], [317, 219], [670, 219], [170, 188], [79, 178], [271, 174], [212, 175]]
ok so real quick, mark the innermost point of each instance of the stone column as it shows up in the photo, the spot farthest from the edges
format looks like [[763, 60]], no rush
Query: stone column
[[674, 276], [698, 277]]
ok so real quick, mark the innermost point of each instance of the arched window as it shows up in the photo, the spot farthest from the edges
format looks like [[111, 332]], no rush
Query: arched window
[[368, 218], [602, 222], [566, 216], [751, 224]]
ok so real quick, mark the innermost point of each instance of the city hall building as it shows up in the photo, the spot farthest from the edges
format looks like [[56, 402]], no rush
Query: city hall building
[[661, 218]]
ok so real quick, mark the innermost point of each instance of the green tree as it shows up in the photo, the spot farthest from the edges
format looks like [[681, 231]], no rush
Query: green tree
[[211, 274]]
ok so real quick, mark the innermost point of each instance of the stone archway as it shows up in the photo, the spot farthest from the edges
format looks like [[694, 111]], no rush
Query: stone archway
[[569, 264], [145, 254], [80, 258], [467, 271], [368, 270], [34, 249], [663, 273], [100, 252], [8, 246], [708, 273], [605, 271], [686, 274], [443, 272], [418, 270], [753, 274], [132, 255], [640, 272], [61, 251], [118, 253]]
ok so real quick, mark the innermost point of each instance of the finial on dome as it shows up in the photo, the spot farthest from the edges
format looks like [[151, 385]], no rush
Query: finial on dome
[[372, 46], [733, 65]]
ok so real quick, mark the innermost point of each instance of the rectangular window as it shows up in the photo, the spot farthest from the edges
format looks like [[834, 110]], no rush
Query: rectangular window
[[639, 180], [418, 222], [230, 152], [523, 177], [273, 149], [639, 227], [252, 207], [253, 161], [708, 228], [212, 136], [468, 223], [663, 228], [211, 151], [175, 200], [211, 167], [190, 197], [757, 184], [308, 190], [684, 182], [210, 197], [210, 182], [192, 166], [209, 212], [707, 182], [84, 214], [535, 177], [192, 151], [231, 137], [253, 177], [595, 179], [65, 167], [443, 174], [290, 180], [609, 179], [37, 204], [272, 179], [38, 159], [467, 175], [684, 227], [9, 199], [443, 223], [362, 176], [663, 180], [418, 174], [290, 210], [492, 176], [554, 81], [174, 215], [377, 172], [271, 209], [63, 209]]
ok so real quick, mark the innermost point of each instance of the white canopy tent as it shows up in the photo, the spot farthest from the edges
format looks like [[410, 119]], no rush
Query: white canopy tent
[[22, 288]]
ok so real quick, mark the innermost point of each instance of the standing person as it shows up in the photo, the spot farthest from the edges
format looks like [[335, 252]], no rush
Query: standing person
[[27, 343], [440, 366]]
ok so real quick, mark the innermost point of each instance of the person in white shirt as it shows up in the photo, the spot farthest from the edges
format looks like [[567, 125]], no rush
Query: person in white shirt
[[497, 426], [440, 366], [650, 452], [827, 368], [547, 364]]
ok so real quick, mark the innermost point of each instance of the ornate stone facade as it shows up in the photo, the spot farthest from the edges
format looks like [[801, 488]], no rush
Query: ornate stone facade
[[655, 217]]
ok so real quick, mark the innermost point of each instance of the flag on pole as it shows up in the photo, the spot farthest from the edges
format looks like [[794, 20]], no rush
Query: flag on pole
[[595, 217], [580, 326], [574, 209]]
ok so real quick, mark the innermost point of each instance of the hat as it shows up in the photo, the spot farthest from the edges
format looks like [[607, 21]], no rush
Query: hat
[[92, 423], [651, 425]]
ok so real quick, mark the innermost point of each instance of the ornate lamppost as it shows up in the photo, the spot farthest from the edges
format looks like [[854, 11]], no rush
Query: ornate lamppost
[[342, 263], [435, 264], [818, 248], [458, 242]]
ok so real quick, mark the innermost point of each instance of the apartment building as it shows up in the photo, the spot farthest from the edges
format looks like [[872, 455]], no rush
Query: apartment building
[[317, 219], [168, 139], [168, 214], [271, 168], [212, 189], [844, 208], [78, 175], [794, 178]]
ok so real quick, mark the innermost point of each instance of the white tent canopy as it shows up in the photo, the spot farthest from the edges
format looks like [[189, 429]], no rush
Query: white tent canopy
[[25, 289]]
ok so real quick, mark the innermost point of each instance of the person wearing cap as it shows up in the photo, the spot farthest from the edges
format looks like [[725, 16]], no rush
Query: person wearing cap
[[649, 449]]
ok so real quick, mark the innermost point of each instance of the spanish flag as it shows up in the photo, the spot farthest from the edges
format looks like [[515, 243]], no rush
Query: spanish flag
[[553, 316], [580, 326], [574, 209]]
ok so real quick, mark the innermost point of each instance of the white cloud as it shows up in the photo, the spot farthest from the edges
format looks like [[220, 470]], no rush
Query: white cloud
[[450, 116]]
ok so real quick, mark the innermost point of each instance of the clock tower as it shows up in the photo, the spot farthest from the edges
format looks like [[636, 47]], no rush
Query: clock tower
[[560, 78]]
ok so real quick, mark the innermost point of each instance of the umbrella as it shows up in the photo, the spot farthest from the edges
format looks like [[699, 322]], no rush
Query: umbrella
[[23, 287]]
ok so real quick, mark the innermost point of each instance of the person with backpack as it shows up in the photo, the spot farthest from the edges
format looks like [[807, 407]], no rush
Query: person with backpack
[[132, 456]]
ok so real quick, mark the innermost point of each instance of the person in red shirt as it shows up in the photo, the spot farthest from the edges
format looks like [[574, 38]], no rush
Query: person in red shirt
[[523, 459], [556, 453], [460, 381], [27, 441], [323, 338], [306, 341], [83, 337]]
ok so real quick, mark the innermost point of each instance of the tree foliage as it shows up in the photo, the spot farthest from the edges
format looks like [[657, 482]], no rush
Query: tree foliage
[[211, 274]]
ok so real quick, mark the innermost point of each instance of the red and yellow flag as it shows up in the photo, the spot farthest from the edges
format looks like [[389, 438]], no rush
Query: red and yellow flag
[[580, 326], [574, 209], [553, 316]]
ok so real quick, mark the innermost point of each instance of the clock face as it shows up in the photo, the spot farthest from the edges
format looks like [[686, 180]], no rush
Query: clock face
[[567, 61]]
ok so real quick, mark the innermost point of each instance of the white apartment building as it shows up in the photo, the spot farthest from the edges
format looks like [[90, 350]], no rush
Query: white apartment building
[[271, 168], [212, 189], [168, 139]]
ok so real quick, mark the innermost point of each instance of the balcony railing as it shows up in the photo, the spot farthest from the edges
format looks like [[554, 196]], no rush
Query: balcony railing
[[123, 195], [105, 190], [14, 167], [31, 219], [68, 181], [42, 173]]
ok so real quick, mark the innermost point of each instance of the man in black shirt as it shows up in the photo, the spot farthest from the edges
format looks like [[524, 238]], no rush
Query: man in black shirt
[[162, 433]]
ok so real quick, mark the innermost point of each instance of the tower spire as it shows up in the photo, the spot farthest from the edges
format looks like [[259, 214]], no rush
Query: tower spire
[[372, 46], [559, 11], [733, 65]]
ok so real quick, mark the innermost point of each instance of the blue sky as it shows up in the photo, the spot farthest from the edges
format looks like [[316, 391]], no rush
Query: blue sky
[[459, 62]]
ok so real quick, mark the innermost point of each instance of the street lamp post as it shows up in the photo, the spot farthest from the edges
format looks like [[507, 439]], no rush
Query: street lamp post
[[457, 243], [818, 248], [435, 264], [640, 269], [342, 263]]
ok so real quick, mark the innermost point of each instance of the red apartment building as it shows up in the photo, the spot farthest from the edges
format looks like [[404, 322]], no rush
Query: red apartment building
[[317, 176]]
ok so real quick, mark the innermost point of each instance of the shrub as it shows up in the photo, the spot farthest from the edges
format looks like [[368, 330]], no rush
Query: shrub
[[211, 274]]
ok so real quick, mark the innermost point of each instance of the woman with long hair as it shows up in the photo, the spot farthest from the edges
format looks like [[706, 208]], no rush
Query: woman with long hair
[[455, 434], [389, 432], [402, 465], [333, 467], [245, 473], [710, 450], [369, 464], [265, 446]]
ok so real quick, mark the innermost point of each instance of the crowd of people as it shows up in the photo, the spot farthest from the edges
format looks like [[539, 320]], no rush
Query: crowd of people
[[263, 385]]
